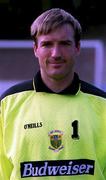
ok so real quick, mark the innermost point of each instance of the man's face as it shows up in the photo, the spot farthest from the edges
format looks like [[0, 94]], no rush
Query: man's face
[[56, 53]]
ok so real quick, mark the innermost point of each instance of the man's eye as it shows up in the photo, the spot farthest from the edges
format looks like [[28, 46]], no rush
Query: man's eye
[[66, 43], [47, 44]]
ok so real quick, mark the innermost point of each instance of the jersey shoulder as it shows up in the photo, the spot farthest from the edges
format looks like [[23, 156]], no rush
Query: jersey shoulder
[[20, 87], [91, 89]]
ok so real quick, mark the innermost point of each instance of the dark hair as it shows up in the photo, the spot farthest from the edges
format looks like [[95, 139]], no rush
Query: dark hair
[[53, 18]]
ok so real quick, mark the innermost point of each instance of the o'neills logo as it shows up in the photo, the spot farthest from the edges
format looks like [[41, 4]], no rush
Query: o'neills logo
[[57, 168]]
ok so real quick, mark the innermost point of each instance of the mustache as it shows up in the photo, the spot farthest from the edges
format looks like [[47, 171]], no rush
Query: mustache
[[56, 60]]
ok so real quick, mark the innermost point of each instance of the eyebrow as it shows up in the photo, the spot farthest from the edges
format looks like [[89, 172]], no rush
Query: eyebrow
[[50, 41]]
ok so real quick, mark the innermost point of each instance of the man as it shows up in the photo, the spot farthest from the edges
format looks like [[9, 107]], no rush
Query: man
[[54, 126]]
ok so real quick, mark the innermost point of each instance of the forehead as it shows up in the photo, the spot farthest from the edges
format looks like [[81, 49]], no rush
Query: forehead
[[64, 32]]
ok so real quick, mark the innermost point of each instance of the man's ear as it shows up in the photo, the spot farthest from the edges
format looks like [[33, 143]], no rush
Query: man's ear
[[78, 47], [35, 49]]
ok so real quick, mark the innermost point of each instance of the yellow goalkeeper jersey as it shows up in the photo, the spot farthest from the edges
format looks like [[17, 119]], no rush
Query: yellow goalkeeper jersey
[[52, 136]]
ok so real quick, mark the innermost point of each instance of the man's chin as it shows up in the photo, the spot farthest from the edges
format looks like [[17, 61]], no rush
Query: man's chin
[[56, 76]]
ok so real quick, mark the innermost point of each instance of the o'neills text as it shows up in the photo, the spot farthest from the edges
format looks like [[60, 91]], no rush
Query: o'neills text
[[57, 168]]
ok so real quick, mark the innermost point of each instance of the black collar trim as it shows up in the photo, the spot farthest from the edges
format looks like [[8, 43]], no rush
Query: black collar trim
[[73, 89]]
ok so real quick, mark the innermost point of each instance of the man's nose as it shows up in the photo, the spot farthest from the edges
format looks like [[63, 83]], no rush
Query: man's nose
[[56, 52]]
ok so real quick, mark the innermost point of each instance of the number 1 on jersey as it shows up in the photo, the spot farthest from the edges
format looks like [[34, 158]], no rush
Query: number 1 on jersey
[[75, 134]]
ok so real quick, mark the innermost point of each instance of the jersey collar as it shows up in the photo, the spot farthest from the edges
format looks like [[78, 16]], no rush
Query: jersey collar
[[72, 89]]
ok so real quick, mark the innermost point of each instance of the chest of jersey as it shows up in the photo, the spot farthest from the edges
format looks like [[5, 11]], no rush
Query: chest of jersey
[[50, 128]]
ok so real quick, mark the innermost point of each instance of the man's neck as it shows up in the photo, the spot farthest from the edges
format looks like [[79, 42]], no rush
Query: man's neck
[[57, 85]]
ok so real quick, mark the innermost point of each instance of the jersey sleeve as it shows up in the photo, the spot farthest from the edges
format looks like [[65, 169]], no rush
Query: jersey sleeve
[[5, 163]]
